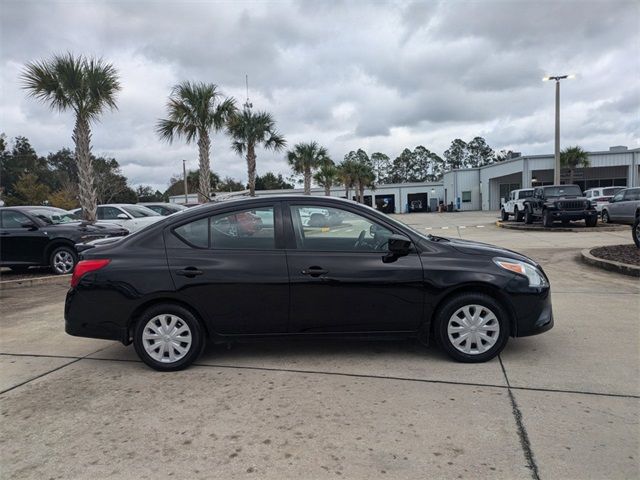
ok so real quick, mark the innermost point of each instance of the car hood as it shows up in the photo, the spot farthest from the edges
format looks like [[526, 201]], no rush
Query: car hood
[[487, 250]]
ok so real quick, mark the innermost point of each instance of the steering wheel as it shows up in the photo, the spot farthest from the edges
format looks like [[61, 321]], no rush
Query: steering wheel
[[360, 240]]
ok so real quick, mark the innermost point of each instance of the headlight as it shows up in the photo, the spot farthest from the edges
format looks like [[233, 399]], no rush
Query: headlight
[[536, 279]]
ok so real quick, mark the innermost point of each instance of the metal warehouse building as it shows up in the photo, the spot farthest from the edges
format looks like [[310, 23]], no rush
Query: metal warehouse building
[[483, 188]]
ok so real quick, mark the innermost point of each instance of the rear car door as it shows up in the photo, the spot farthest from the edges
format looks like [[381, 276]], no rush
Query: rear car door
[[20, 243], [339, 282], [232, 267]]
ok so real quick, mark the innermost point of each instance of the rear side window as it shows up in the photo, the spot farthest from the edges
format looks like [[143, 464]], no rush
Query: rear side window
[[108, 213], [250, 229], [195, 233]]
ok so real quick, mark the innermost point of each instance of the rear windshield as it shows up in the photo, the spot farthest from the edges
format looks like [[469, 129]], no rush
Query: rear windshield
[[565, 190]]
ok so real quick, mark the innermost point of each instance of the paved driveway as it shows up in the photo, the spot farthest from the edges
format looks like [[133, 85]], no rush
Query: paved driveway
[[561, 405]]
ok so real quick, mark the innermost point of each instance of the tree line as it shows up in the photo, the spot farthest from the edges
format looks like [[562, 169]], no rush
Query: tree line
[[194, 111]]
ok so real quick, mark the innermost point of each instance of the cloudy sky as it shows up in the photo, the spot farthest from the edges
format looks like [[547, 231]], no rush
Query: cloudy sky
[[350, 74]]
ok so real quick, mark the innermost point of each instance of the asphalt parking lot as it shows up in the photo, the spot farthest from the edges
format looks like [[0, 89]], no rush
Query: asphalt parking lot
[[565, 404]]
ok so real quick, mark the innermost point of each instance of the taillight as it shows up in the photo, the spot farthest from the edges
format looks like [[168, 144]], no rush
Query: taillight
[[85, 266]]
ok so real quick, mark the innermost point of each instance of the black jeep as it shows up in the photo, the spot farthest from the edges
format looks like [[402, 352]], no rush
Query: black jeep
[[559, 202]]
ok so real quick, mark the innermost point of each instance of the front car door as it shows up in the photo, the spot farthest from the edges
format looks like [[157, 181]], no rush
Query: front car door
[[20, 243], [629, 205], [614, 208], [339, 282], [231, 266]]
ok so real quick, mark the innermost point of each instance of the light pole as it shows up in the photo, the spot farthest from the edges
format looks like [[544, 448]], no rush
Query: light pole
[[556, 170], [184, 175]]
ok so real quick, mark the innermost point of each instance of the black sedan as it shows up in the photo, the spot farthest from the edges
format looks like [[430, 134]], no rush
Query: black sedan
[[283, 266], [39, 236]]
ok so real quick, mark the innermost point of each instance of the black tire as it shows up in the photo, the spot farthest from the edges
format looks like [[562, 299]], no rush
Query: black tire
[[635, 232], [63, 260], [19, 268], [504, 215], [183, 316], [605, 217], [591, 221], [547, 219], [519, 216], [446, 312], [528, 217]]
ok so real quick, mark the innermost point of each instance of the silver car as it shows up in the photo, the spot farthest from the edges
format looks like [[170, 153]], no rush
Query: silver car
[[624, 207]]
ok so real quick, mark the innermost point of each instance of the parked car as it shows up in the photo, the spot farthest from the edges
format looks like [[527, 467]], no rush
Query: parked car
[[164, 209], [559, 202], [515, 204], [183, 282], [38, 236], [131, 217], [623, 207], [601, 196]]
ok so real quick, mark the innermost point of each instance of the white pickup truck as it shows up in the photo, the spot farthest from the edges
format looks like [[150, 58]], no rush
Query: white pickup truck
[[515, 204]]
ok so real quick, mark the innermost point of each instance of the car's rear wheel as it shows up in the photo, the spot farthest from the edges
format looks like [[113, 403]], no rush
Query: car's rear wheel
[[605, 217], [472, 327], [518, 214], [504, 215], [63, 260], [591, 221], [168, 337], [547, 219]]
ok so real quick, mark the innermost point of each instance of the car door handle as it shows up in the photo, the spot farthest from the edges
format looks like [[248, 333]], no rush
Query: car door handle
[[314, 271], [189, 272]]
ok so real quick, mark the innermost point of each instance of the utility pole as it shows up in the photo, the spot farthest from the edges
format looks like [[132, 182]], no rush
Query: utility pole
[[184, 175], [556, 169]]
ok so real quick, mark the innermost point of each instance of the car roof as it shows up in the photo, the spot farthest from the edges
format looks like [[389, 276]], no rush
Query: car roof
[[31, 207]]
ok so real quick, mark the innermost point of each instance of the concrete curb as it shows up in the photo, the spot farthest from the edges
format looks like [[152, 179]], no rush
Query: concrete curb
[[31, 282], [611, 265], [539, 228]]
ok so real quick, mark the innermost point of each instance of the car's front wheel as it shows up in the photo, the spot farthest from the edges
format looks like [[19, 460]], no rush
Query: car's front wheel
[[605, 217], [528, 217], [591, 221], [168, 337], [472, 327], [63, 260]]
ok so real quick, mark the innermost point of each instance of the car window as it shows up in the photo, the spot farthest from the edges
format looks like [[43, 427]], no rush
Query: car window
[[138, 211], [246, 229], [333, 229], [156, 208], [588, 194], [631, 194], [195, 233], [53, 216], [13, 219], [525, 194], [618, 197], [108, 213], [607, 192]]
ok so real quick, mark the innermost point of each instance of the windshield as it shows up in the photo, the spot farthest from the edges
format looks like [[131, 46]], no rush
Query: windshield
[[53, 216], [563, 191], [138, 211]]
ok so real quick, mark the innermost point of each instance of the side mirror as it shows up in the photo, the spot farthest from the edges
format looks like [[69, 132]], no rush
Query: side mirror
[[29, 224], [122, 216], [399, 246]]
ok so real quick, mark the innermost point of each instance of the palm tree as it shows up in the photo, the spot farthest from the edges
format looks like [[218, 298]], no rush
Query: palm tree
[[250, 129], [326, 177], [88, 87], [305, 158], [572, 158], [347, 174], [364, 177], [194, 111]]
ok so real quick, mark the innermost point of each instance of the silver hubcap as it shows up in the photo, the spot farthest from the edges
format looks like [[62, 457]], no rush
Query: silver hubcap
[[63, 262], [473, 329], [166, 338]]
